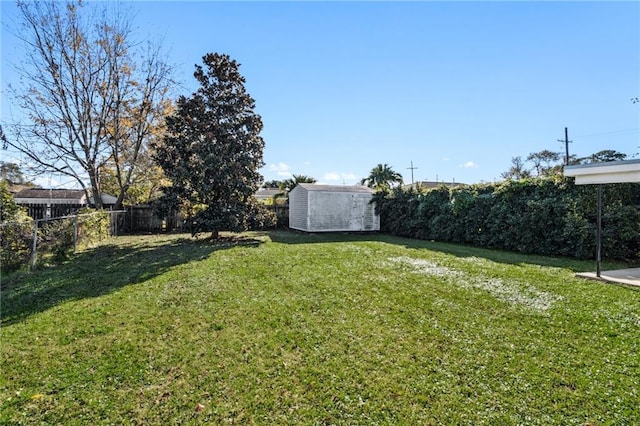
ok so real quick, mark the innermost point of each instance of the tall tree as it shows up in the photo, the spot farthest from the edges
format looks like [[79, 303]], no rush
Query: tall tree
[[213, 149], [544, 161], [12, 174], [605, 155], [382, 178], [517, 170], [272, 184], [92, 96]]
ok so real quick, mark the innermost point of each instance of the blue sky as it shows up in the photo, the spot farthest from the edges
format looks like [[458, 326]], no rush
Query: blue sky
[[457, 88]]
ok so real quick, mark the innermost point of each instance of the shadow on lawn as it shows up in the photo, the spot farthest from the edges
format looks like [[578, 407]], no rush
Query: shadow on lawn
[[99, 271], [458, 250]]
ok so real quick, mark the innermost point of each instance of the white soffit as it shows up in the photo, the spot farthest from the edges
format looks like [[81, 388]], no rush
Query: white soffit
[[609, 172]]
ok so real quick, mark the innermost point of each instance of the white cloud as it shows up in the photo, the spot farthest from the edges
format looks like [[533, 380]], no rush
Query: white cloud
[[469, 165], [331, 176], [282, 169], [339, 177]]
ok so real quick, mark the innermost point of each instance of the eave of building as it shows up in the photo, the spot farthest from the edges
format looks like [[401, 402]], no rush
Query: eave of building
[[627, 171], [65, 201]]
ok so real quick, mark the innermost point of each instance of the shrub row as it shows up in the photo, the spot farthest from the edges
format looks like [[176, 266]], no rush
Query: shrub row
[[549, 216]]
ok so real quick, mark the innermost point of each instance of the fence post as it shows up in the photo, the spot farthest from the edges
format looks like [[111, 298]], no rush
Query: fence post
[[34, 247], [75, 233]]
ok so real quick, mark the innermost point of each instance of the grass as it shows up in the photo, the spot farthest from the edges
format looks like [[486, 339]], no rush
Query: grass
[[289, 328]]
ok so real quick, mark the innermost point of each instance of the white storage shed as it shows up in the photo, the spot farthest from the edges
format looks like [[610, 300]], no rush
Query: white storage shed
[[327, 208]]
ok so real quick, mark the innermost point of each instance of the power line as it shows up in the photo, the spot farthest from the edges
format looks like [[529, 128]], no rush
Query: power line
[[612, 132]]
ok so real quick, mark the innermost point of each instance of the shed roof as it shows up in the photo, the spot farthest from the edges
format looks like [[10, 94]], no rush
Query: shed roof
[[608, 172], [336, 188]]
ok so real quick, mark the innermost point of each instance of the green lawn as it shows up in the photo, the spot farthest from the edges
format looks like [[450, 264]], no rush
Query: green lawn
[[289, 328]]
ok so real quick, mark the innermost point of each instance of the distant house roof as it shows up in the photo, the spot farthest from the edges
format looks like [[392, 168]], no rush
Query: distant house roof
[[266, 193], [58, 196], [69, 194], [15, 189], [335, 188], [431, 184], [51, 196], [107, 199]]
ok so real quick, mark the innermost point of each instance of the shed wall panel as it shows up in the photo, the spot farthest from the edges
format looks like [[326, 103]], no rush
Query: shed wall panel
[[336, 211], [299, 209]]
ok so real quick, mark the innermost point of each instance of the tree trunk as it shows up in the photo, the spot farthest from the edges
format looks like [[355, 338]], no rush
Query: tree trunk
[[95, 189], [120, 200]]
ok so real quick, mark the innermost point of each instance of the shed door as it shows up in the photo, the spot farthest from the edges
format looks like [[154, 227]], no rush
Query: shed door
[[356, 218]]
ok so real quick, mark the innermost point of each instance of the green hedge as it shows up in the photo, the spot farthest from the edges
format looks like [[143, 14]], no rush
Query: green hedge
[[549, 216]]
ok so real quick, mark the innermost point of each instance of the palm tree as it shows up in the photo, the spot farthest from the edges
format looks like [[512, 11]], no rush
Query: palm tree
[[382, 178], [289, 184]]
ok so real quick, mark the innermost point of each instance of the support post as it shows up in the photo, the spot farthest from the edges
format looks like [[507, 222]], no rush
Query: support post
[[566, 146], [34, 246], [412, 169], [566, 143], [75, 234], [598, 229]]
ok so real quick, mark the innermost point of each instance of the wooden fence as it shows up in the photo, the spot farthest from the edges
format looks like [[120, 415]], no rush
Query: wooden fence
[[143, 219]]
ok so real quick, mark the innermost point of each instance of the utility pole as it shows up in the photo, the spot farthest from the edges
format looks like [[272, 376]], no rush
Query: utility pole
[[566, 143], [412, 169]]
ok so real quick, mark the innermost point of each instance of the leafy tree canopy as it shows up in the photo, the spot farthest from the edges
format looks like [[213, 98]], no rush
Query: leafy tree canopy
[[604, 156], [145, 181], [517, 171], [12, 174], [544, 162], [274, 184], [9, 211]]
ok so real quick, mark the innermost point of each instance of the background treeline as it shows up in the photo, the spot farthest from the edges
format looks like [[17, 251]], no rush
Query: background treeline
[[548, 216]]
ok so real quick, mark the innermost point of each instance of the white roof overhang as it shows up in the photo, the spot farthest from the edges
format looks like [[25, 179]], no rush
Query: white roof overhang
[[627, 171], [63, 201]]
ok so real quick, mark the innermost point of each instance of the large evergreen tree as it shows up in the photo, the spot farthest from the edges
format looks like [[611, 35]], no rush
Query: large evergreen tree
[[213, 149]]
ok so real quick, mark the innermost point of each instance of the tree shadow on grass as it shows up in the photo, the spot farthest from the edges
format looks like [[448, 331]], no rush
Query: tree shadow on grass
[[100, 271], [458, 250]]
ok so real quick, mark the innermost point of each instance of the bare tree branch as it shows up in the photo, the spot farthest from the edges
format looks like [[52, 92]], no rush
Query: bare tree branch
[[89, 100]]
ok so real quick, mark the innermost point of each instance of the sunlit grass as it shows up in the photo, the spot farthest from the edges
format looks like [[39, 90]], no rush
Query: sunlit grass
[[290, 328]]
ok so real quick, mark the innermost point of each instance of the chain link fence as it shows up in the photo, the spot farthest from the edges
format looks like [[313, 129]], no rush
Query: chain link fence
[[35, 242]]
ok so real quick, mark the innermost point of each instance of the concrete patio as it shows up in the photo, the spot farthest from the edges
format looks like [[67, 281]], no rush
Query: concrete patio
[[619, 276]]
